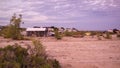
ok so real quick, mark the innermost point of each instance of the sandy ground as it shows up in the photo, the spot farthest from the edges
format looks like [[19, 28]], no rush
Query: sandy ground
[[80, 52]]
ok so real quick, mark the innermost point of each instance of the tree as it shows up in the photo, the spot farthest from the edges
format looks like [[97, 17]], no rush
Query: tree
[[13, 30], [16, 21]]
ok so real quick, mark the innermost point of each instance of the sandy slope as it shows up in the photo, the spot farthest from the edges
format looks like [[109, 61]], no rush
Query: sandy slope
[[80, 52]]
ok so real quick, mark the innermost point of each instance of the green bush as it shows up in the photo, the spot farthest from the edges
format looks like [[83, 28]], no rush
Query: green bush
[[67, 33], [16, 56], [74, 34], [39, 49], [58, 36], [13, 32]]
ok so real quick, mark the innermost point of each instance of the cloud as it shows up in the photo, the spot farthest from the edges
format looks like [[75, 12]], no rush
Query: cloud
[[61, 11], [33, 16], [100, 4], [36, 19]]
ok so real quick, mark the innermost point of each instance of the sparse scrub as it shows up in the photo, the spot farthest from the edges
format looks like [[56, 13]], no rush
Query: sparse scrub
[[99, 36], [74, 34], [13, 32], [108, 35], [67, 33], [16, 56], [118, 36], [82, 34], [93, 34], [58, 36], [38, 49], [0, 33]]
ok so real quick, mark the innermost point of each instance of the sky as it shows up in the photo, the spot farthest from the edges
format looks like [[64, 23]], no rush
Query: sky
[[80, 14]]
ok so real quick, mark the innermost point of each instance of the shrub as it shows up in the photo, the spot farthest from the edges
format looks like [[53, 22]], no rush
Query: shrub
[[118, 35], [82, 33], [55, 64], [108, 36], [39, 49], [16, 56], [58, 36], [93, 33], [0, 32], [13, 32], [99, 36], [67, 33]]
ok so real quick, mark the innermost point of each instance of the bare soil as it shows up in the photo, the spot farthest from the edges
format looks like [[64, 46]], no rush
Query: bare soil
[[79, 52]]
